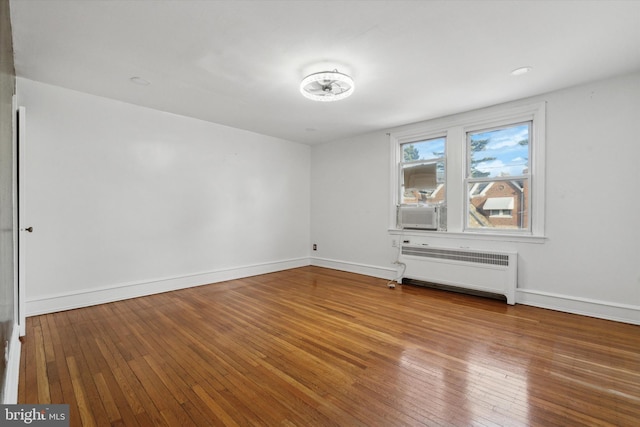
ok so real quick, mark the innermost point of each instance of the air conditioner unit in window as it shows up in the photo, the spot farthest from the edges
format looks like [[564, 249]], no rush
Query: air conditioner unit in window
[[419, 217]]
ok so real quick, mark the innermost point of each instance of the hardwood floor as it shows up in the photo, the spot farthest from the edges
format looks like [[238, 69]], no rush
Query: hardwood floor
[[319, 347]]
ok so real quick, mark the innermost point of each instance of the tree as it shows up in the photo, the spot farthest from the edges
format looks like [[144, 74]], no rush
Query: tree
[[524, 143], [478, 145], [411, 153]]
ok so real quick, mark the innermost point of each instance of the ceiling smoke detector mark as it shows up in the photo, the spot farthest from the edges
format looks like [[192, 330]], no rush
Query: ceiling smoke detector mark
[[521, 71], [139, 81], [327, 86]]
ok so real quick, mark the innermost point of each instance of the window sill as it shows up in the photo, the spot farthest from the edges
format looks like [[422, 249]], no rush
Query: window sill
[[469, 235]]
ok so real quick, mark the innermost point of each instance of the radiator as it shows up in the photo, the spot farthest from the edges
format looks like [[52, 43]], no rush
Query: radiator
[[492, 272]]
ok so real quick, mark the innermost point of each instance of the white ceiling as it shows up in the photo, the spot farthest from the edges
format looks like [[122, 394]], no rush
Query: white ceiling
[[239, 63]]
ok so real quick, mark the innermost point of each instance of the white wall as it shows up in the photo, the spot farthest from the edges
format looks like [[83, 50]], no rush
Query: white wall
[[588, 262], [349, 203], [127, 201]]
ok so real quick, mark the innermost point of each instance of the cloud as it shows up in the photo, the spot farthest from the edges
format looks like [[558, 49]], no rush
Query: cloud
[[507, 138], [499, 168], [493, 167]]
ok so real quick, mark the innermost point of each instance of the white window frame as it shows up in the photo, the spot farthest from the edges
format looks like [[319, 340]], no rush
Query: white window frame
[[433, 161], [455, 129], [397, 140], [469, 180]]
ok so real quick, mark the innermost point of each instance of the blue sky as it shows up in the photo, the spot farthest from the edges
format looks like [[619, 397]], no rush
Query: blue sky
[[510, 157], [427, 148]]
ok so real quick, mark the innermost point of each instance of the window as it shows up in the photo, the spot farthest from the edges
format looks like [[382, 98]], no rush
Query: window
[[482, 170], [422, 172], [506, 213], [498, 162]]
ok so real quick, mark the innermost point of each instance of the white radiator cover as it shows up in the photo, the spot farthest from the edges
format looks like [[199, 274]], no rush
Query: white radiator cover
[[479, 270]]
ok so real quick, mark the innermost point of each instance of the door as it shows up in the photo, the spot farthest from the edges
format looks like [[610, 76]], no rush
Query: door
[[22, 239]]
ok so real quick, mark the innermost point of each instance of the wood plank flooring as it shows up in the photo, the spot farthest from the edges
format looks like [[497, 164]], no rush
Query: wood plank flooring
[[319, 347]]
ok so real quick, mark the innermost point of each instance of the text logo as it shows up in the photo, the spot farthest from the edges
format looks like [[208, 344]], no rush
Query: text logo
[[34, 415]]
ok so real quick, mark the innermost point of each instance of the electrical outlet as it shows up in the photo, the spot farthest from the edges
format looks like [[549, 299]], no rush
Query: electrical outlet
[[394, 243], [315, 247]]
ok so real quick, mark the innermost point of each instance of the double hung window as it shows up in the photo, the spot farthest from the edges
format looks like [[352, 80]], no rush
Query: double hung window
[[498, 164], [422, 172], [484, 171]]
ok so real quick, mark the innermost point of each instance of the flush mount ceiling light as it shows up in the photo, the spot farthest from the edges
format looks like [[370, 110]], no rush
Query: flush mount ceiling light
[[327, 86]]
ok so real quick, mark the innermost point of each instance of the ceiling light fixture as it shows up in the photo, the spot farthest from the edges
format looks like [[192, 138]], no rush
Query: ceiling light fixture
[[327, 86]]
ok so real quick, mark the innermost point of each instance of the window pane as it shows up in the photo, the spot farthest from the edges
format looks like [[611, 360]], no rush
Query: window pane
[[499, 152], [423, 183], [422, 174], [423, 150], [501, 205]]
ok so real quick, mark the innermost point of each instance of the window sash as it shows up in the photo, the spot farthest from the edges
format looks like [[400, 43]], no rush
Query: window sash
[[455, 129], [402, 165], [470, 180], [521, 212]]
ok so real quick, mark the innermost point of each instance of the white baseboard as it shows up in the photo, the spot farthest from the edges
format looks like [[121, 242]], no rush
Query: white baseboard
[[52, 303], [584, 306], [12, 373], [352, 267], [587, 307], [122, 291]]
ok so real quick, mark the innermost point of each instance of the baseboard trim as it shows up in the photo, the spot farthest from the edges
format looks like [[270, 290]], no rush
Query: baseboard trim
[[122, 291], [12, 374], [353, 267], [624, 313], [584, 306], [52, 303]]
